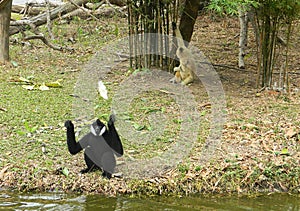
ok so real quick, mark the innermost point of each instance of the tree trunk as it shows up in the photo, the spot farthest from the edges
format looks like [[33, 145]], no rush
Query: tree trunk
[[5, 11], [243, 17], [188, 19]]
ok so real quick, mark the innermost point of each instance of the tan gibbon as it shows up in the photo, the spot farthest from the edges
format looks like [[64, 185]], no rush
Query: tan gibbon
[[184, 73]]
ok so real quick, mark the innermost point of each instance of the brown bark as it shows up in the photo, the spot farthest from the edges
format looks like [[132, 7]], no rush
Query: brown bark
[[243, 18], [5, 11], [188, 19]]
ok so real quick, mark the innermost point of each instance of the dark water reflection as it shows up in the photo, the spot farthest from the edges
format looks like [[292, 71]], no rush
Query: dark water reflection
[[60, 201]]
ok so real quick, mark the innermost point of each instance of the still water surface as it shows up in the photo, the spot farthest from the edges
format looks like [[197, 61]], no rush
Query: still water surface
[[60, 201]]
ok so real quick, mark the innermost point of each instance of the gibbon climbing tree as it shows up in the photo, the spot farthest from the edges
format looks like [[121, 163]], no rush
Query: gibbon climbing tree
[[147, 18]]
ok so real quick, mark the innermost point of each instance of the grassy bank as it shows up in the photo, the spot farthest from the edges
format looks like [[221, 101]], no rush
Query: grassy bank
[[260, 150]]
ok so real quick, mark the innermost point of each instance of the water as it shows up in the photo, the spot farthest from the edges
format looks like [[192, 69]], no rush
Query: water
[[61, 201]]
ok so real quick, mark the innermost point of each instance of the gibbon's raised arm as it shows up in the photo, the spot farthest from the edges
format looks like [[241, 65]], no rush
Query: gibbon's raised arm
[[112, 138], [180, 41], [73, 146]]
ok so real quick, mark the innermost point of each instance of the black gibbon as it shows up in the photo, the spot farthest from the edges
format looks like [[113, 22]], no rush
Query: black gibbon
[[101, 144], [184, 73]]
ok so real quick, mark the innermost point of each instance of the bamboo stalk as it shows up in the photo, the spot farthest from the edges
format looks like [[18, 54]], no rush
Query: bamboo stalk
[[150, 17], [129, 6]]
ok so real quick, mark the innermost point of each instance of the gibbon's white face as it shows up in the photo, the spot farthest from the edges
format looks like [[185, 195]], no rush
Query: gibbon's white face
[[97, 131]]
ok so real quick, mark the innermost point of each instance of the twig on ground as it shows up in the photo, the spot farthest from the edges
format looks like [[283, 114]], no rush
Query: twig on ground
[[3, 109], [228, 67], [51, 45], [208, 104]]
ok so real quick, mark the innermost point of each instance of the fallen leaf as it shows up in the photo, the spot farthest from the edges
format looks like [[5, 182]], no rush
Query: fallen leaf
[[138, 127], [43, 87], [65, 171], [102, 90], [14, 63], [22, 79], [284, 151], [28, 87], [54, 84]]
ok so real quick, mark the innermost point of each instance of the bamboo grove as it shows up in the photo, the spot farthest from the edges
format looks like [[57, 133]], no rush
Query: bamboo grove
[[149, 27]]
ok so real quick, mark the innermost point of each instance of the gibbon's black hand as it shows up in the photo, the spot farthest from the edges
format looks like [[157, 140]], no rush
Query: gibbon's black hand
[[73, 146], [69, 124], [174, 26], [112, 119]]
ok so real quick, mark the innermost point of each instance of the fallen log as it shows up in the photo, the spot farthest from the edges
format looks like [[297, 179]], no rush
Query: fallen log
[[100, 12], [17, 26], [43, 3], [20, 9], [30, 10]]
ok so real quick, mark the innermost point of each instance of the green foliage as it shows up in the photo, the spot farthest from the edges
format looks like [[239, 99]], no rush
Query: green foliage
[[280, 9], [231, 7], [183, 168], [28, 129], [283, 8]]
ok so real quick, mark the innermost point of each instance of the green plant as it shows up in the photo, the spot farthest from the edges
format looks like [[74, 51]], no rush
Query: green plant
[[231, 6], [29, 130], [183, 168]]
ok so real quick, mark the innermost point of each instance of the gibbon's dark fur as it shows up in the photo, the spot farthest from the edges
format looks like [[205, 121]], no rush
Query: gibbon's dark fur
[[99, 148]]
